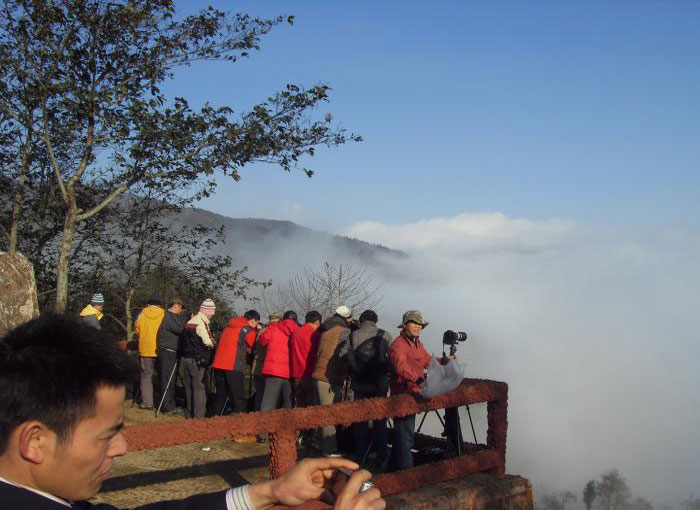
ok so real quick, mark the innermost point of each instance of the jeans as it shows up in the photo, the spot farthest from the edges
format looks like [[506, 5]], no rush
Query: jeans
[[380, 435], [404, 430]]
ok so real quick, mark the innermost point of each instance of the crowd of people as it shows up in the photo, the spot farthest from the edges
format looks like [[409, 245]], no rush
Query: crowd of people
[[62, 392], [290, 364]]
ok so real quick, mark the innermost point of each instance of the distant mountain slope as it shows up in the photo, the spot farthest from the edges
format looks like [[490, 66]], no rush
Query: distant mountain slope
[[253, 241]]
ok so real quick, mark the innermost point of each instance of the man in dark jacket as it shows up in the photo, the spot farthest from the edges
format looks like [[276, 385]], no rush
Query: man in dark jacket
[[369, 368], [58, 446], [168, 338]]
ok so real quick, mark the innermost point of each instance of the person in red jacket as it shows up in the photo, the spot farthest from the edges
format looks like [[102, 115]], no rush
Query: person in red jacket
[[408, 360], [276, 367], [302, 347], [235, 344]]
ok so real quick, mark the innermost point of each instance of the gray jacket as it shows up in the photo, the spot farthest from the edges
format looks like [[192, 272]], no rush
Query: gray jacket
[[170, 329]]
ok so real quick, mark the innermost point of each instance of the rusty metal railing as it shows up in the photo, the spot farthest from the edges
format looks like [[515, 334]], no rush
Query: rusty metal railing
[[282, 426]]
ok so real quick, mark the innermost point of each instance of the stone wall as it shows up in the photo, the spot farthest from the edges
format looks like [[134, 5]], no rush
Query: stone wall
[[18, 300], [479, 491]]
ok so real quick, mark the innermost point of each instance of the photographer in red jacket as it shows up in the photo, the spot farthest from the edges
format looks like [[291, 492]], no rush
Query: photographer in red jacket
[[232, 352], [276, 366], [408, 360]]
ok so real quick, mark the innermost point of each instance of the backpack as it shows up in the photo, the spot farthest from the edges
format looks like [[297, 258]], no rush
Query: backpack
[[365, 360]]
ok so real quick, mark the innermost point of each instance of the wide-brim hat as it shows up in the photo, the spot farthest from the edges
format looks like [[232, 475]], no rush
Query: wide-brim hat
[[413, 316]]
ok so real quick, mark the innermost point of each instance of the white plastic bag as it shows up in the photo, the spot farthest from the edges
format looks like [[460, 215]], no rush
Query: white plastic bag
[[442, 378]]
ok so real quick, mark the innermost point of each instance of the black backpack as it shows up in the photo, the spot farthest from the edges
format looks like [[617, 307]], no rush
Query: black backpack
[[365, 360]]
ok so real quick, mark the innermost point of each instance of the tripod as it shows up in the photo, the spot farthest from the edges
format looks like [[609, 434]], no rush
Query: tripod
[[452, 426]]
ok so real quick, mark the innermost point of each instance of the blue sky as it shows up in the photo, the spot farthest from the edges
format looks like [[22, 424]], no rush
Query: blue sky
[[538, 161], [586, 111]]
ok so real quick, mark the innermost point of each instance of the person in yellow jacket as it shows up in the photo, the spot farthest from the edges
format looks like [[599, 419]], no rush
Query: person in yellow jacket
[[92, 313], [146, 329]]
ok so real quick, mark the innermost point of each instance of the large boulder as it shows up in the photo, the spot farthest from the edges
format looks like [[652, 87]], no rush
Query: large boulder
[[18, 301]]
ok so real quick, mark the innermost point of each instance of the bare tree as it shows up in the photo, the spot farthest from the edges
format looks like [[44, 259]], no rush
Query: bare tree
[[325, 289]]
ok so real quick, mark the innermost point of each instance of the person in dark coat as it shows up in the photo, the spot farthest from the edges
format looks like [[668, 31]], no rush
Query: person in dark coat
[[168, 337], [368, 362], [62, 391]]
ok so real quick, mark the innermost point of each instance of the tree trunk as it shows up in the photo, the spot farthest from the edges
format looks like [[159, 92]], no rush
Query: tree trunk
[[64, 255], [19, 193], [128, 315]]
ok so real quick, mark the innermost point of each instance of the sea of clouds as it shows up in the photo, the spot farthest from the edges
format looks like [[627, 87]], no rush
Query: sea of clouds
[[594, 329]]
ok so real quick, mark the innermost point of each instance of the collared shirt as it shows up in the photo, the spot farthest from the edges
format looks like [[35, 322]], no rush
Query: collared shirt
[[237, 498]]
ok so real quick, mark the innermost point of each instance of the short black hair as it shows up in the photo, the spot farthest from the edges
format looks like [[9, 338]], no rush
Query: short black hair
[[290, 314], [369, 315], [50, 370], [313, 316], [252, 314], [154, 301]]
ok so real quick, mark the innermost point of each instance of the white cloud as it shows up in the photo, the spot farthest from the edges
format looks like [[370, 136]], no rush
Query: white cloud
[[466, 232], [594, 330]]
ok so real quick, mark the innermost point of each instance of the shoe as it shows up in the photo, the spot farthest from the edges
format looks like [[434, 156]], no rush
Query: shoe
[[245, 439], [145, 407]]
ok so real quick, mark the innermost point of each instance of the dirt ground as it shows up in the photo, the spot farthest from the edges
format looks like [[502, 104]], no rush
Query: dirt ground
[[176, 472]]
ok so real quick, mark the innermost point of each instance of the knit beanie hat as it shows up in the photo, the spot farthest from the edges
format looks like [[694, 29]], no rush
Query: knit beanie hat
[[97, 299], [207, 306]]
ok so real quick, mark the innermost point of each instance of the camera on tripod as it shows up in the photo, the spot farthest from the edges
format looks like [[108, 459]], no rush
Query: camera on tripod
[[450, 337]]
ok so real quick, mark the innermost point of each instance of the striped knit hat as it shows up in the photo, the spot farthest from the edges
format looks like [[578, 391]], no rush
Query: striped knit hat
[[97, 299], [207, 306]]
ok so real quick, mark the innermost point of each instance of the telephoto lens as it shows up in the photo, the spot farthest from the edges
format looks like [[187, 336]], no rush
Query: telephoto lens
[[450, 337]]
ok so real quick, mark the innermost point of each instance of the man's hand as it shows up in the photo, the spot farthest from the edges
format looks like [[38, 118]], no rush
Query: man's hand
[[310, 480], [350, 498]]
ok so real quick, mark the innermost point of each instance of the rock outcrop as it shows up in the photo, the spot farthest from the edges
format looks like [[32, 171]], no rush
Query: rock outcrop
[[18, 300]]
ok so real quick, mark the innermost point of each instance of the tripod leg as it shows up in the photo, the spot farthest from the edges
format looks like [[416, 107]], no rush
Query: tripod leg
[[223, 407], [167, 386], [425, 415], [471, 423]]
